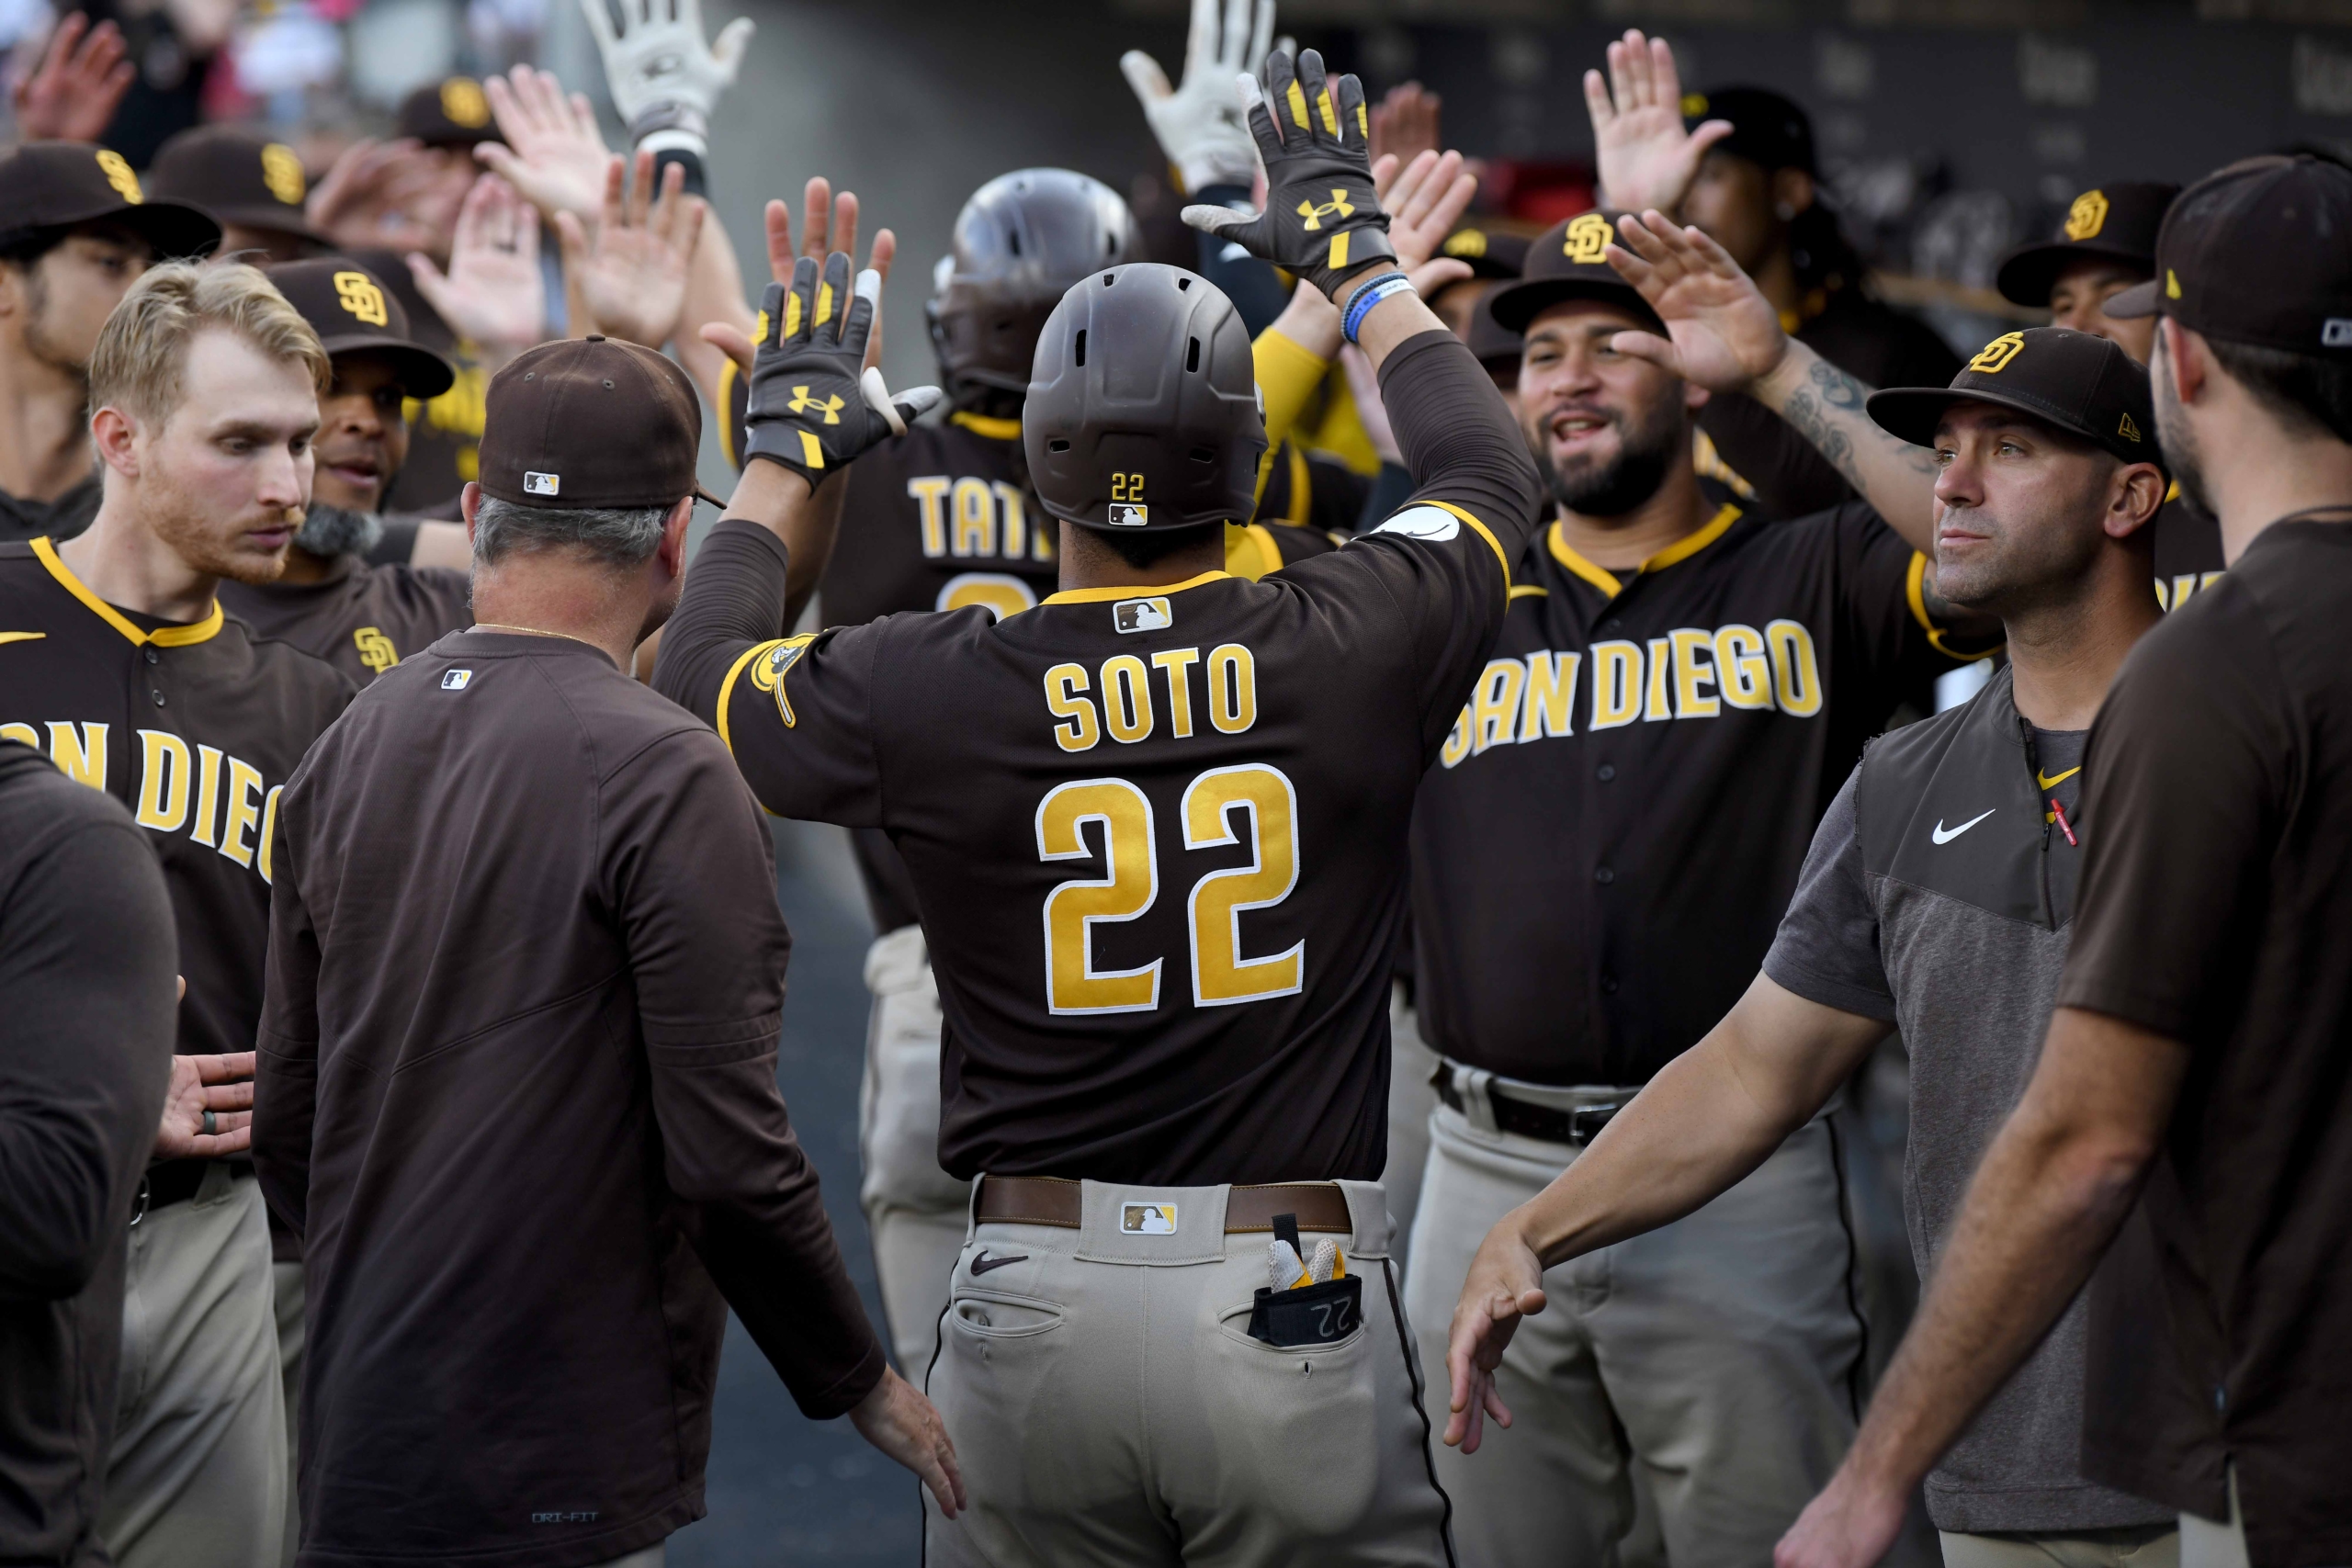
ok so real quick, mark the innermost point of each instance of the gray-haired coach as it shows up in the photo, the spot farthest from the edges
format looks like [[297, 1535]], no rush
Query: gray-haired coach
[[518, 1089]]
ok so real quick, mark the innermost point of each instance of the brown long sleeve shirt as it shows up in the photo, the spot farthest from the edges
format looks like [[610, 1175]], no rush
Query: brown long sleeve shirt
[[518, 1093]]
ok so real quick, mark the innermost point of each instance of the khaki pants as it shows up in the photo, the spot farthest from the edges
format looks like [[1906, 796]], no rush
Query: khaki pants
[[914, 1211], [1108, 1405], [1712, 1362], [1411, 1097], [286, 1300], [2093, 1548], [2206, 1544], [196, 1477]]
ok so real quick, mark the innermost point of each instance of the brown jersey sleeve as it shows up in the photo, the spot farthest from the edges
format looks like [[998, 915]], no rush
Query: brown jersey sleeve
[[286, 1082], [796, 712]]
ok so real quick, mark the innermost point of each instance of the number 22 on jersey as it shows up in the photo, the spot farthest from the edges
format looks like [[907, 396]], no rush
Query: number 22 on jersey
[[1221, 975]]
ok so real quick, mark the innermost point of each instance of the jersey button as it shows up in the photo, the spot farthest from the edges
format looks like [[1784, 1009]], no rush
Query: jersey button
[[1604, 876], [1608, 985], [1608, 771], [159, 698], [153, 657]]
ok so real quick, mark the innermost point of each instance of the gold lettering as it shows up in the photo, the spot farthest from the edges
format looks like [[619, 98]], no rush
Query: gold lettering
[[244, 811], [1616, 684], [1496, 697], [1016, 517], [1233, 688], [82, 756], [1661, 666], [1176, 663], [975, 518], [1551, 689], [25, 733], [1794, 674], [208, 794], [268, 829], [1127, 698], [1741, 668], [1691, 645], [165, 772], [930, 497], [1063, 682], [1458, 741]]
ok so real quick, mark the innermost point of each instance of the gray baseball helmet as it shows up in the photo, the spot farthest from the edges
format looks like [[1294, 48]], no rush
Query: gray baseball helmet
[[1143, 408], [1021, 241]]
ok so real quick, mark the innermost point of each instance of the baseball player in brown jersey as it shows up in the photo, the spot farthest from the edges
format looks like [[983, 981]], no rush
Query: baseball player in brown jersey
[[331, 602], [118, 663], [1156, 827]]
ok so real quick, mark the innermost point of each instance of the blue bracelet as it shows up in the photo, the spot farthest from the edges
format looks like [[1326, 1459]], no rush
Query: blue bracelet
[[1368, 295]]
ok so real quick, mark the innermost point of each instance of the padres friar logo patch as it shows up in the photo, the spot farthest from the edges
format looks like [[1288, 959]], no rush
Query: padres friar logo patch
[[376, 650], [1995, 356], [463, 101], [281, 171], [769, 669], [1587, 240], [2088, 216], [117, 170], [356, 292]]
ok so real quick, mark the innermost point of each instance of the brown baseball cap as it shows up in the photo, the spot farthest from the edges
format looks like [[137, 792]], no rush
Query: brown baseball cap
[[238, 176], [353, 311], [1489, 252], [591, 422], [2113, 223], [1568, 261], [2259, 253], [452, 112], [2080, 384], [56, 185]]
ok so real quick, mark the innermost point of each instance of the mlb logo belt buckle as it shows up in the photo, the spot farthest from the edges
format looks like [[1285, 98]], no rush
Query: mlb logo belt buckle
[[1147, 1219]]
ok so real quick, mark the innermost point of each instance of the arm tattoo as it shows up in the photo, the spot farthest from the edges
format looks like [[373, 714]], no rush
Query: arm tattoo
[[1831, 420]]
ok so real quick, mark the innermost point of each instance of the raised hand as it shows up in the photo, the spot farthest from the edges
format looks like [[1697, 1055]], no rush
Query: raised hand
[[209, 1108], [1646, 158], [1200, 125], [664, 79], [814, 405], [1322, 220], [630, 280], [553, 152], [1725, 335], [828, 224], [493, 293], [1405, 123], [1504, 1285], [72, 95], [1425, 200], [381, 194]]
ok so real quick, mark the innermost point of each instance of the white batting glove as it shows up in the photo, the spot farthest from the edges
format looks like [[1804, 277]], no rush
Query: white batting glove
[[1200, 125], [664, 79]]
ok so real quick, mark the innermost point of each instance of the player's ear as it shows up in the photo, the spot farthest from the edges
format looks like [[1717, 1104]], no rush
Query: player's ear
[[116, 436], [470, 503], [1792, 191], [673, 549]]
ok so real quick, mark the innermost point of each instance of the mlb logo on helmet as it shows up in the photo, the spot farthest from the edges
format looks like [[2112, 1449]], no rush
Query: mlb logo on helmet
[[455, 680], [1124, 516], [1147, 1219], [1143, 614]]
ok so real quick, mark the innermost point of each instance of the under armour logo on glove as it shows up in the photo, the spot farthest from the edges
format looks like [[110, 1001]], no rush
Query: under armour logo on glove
[[812, 405], [1321, 220]]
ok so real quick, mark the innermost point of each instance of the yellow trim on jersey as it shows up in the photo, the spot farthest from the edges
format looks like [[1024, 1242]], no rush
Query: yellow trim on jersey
[[1682, 550], [1302, 488], [22, 637], [1132, 590], [1529, 591], [727, 687], [981, 425], [161, 637], [728, 375], [1915, 591], [1289, 375], [1482, 531], [1251, 550]]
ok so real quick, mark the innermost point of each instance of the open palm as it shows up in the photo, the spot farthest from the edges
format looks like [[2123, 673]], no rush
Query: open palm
[[493, 292], [1645, 157], [553, 153], [630, 280], [1725, 333]]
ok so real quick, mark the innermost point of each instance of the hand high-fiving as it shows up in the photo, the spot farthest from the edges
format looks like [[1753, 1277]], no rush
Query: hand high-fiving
[[1322, 219], [1725, 335], [813, 406], [1646, 158], [1199, 125]]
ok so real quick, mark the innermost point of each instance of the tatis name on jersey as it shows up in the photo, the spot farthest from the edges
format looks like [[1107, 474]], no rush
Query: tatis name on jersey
[[1690, 672], [219, 801]]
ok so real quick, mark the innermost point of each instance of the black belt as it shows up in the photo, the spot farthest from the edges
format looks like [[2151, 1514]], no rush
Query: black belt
[[175, 1181], [1528, 1119]]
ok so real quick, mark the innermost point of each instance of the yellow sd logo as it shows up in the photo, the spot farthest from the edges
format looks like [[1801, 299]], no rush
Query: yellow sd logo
[[1587, 240], [118, 172], [1338, 207], [376, 650], [1465, 242], [356, 292], [281, 171], [830, 406], [769, 671], [463, 102], [1995, 356], [2088, 216]]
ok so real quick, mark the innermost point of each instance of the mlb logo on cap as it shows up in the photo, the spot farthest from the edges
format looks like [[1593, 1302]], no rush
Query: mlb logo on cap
[[455, 680], [542, 484], [1125, 516], [1147, 1219], [1142, 615]]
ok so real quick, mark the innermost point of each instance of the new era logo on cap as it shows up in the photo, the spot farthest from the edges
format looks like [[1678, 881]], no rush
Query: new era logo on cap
[[538, 483], [1147, 1219], [1124, 516], [1142, 615]]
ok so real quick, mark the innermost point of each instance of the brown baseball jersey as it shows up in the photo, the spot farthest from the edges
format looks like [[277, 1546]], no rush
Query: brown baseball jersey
[[195, 728], [1157, 834], [364, 618]]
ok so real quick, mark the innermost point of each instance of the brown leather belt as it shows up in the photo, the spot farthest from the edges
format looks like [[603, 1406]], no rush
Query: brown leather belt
[[1054, 1201]]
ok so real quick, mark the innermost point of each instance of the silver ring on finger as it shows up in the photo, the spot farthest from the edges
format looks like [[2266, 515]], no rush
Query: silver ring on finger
[[211, 1124]]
